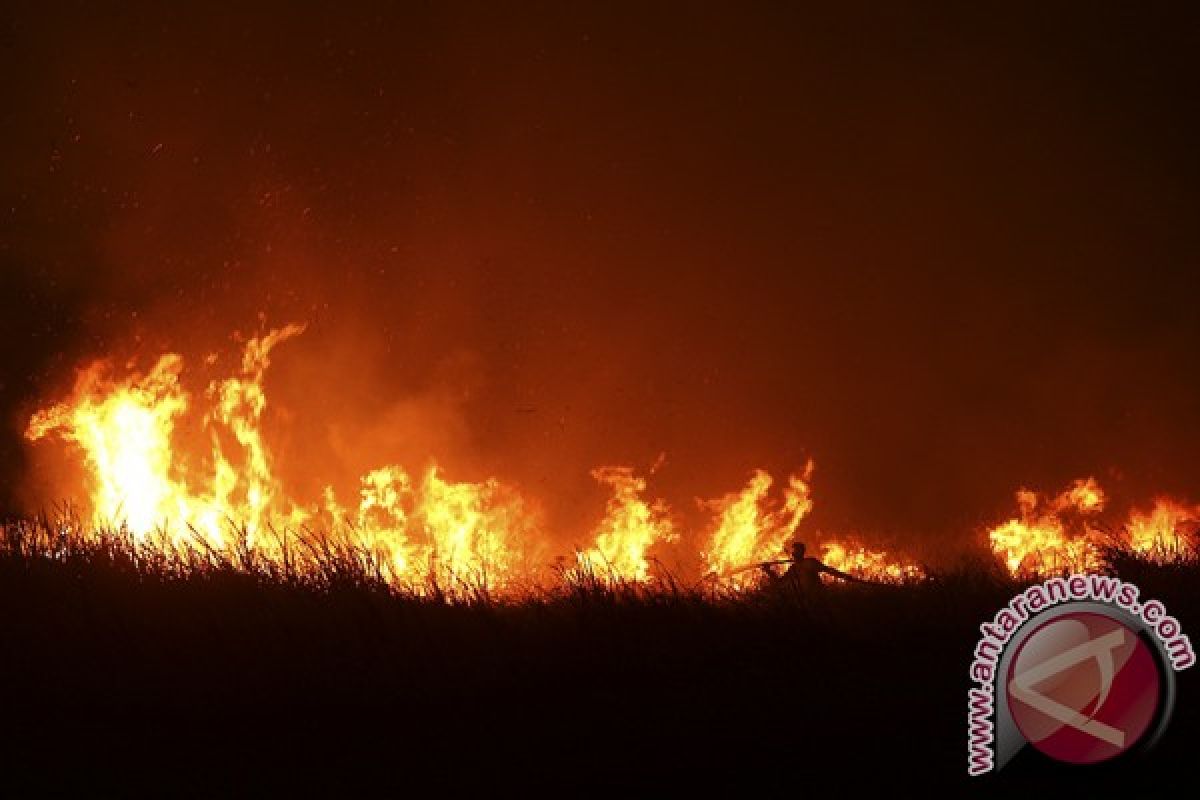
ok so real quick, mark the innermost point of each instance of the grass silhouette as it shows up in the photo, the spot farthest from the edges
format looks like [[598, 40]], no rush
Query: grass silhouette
[[190, 671]]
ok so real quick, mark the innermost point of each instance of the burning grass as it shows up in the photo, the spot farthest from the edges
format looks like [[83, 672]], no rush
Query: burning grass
[[333, 560], [174, 463], [328, 561]]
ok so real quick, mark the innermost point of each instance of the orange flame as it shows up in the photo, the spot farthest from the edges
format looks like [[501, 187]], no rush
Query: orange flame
[[1165, 533], [456, 536], [630, 527], [748, 530], [1059, 534], [383, 518], [1051, 535], [124, 430], [872, 565], [473, 531]]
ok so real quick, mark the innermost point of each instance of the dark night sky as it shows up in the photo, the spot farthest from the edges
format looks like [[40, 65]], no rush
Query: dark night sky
[[944, 254]]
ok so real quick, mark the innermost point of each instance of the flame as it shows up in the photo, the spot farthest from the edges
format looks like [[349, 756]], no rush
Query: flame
[[1083, 496], [1165, 533], [472, 529], [1051, 534], [124, 430], [456, 537], [748, 530], [452, 538], [630, 527], [871, 565], [251, 491], [382, 519], [433, 534]]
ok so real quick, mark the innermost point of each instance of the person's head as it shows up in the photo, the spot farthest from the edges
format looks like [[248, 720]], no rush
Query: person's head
[[797, 550]]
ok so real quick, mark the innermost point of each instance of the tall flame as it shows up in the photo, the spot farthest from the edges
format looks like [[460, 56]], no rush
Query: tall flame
[[383, 516], [747, 529], [458, 536], [473, 531], [630, 527], [124, 430], [252, 490]]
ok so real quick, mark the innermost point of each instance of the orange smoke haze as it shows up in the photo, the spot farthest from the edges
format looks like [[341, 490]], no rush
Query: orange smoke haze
[[526, 247]]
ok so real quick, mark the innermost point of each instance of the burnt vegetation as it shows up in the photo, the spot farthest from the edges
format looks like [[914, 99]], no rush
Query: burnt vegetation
[[195, 672]]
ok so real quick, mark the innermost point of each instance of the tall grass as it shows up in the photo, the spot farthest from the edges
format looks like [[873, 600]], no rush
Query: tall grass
[[324, 562]]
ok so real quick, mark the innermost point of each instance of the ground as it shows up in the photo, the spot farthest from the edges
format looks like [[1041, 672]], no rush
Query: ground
[[113, 680]]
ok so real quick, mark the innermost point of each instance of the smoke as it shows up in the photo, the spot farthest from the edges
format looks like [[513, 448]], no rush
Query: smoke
[[526, 248]]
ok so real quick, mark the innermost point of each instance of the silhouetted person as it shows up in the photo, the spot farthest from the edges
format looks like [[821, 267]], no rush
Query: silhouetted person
[[805, 572]]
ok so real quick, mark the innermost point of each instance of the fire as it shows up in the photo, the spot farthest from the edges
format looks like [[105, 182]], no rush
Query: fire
[[383, 517], [195, 469], [748, 530], [438, 535], [455, 536], [473, 531], [872, 565], [630, 527], [252, 490], [1084, 496], [1051, 534], [1062, 533], [1165, 533], [124, 430]]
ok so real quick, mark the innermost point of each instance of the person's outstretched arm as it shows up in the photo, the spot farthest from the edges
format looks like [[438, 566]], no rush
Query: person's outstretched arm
[[837, 573]]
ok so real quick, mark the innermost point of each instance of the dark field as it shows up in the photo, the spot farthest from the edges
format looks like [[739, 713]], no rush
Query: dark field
[[126, 677]]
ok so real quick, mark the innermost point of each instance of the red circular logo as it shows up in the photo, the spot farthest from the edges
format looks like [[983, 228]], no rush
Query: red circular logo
[[1083, 688]]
